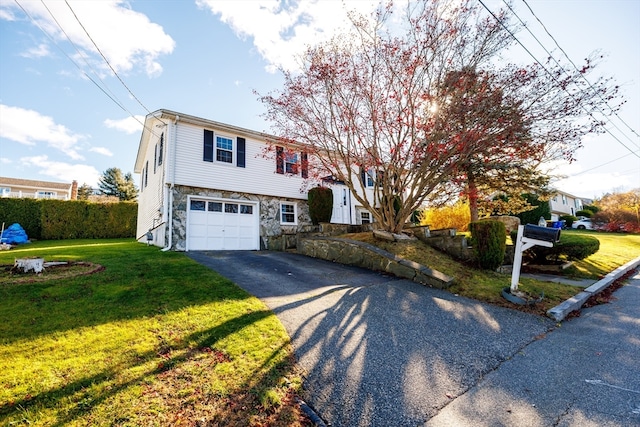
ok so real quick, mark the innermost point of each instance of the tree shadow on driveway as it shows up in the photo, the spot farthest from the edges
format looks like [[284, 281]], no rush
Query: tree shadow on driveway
[[378, 350]]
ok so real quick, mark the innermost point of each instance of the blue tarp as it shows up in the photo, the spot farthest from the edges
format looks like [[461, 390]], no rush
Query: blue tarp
[[14, 235]]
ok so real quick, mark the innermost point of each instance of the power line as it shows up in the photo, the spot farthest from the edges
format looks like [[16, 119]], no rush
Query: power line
[[105, 59], [65, 54], [112, 98], [603, 164], [548, 72], [581, 75], [576, 68], [80, 54]]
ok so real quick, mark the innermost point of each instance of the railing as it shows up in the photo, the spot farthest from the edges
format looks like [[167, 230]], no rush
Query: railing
[[25, 195]]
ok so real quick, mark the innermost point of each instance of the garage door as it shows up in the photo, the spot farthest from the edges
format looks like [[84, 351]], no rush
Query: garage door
[[221, 224]]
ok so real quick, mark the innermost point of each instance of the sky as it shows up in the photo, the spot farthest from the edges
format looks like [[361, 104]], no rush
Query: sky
[[78, 77]]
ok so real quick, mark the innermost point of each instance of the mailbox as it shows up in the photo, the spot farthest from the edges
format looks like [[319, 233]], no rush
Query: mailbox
[[545, 234]]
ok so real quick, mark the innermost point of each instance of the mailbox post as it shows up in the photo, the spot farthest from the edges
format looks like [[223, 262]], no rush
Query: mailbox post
[[529, 236]]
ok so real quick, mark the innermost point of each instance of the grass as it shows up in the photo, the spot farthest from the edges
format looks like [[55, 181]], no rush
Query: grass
[[615, 250], [153, 339]]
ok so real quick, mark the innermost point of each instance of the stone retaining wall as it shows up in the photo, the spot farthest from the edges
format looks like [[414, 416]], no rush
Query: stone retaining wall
[[362, 254]]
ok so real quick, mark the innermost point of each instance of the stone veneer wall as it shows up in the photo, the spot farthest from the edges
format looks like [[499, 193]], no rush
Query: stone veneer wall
[[273, 235], [362, 254]]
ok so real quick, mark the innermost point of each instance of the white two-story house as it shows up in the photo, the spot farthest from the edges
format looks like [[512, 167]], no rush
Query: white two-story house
[[564, 204], [206, 185]]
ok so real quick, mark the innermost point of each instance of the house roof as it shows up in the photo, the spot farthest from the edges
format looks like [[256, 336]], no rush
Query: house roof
[[18, 182]]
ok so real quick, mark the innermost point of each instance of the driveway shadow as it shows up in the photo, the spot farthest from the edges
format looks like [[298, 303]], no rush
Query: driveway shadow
[[378, 350]]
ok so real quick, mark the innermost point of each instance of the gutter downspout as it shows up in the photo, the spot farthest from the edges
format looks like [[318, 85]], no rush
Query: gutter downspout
[[170, 185]]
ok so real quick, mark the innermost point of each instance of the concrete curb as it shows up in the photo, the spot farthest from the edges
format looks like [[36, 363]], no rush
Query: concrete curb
[[560, 311]]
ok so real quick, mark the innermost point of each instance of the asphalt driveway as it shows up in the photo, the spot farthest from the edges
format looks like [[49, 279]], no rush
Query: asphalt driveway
[[377, 350]]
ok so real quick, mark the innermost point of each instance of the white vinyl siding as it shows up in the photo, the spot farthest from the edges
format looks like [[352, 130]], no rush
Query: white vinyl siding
[[257, 177], [151, 192]]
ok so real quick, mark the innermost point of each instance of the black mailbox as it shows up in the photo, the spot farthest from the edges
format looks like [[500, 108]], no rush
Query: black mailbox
[[545, 234]]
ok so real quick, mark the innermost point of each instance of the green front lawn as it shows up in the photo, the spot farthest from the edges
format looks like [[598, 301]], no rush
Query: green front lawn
[[152, 339], [616, 249]]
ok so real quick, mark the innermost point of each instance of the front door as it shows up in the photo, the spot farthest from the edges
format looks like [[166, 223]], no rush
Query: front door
[[341, 204]]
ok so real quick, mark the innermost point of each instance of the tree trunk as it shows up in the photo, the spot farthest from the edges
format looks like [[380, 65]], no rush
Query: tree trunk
[[472, 191]]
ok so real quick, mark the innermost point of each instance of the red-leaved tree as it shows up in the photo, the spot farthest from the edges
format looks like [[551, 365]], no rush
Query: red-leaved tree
[[416, 111]]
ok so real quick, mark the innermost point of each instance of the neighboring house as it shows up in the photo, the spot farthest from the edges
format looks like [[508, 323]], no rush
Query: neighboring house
[[564, 204], [26, 188], [206, 185]]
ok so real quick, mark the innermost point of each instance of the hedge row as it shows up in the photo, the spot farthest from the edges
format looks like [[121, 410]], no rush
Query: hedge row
[[45, 219]]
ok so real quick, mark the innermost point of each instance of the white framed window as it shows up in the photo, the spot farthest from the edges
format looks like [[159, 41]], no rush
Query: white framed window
[[46, 195], [291, 163], [224, 149], [564, 199], [5, 191], [365, 217], [370, 181], [288, 213]]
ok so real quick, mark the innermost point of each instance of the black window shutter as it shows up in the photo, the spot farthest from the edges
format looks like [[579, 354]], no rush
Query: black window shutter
[[161, 149], [208, 146], [304, 163], [280, 160], [155, 159], [240, 162], [363, 176]]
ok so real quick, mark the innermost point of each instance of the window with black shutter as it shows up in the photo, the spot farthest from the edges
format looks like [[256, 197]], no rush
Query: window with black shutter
[[161, 149]]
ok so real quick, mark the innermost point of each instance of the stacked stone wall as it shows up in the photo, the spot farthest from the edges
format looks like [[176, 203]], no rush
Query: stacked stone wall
[[362, 254]]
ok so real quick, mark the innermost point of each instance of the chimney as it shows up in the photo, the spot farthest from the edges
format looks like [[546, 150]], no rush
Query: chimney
[[74, 190]]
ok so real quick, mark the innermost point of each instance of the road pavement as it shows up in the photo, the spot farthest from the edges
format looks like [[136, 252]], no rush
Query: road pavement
[[585, 373]]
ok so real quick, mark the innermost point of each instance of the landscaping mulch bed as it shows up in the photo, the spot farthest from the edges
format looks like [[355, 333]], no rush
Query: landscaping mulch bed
[[64, 270]]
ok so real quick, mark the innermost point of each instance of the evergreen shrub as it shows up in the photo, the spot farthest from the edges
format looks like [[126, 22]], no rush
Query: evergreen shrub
[[489, 243], [320, 204]]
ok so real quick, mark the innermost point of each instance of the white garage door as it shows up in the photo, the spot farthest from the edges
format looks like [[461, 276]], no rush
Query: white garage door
[[222, 224]]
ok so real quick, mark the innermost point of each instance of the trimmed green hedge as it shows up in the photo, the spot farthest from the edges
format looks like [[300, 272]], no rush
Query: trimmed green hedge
[[489, 243], [25, 212], [46, 219], [320, 204], [571, 247]]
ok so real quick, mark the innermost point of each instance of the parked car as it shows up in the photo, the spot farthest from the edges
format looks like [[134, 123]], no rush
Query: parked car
[[582, 224]]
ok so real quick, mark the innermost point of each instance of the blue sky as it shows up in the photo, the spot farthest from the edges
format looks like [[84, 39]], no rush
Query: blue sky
[[205, 58]]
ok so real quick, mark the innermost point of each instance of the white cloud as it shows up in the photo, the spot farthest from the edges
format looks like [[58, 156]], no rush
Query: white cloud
[[128, 39], [30, 127], [66, 172], [102, 150], [281, 30], [129, 125], [39, 51], [578, 181]]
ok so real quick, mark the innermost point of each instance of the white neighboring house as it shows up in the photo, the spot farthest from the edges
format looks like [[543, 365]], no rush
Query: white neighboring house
[[564, 204], [206, 185], [27, 188]]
